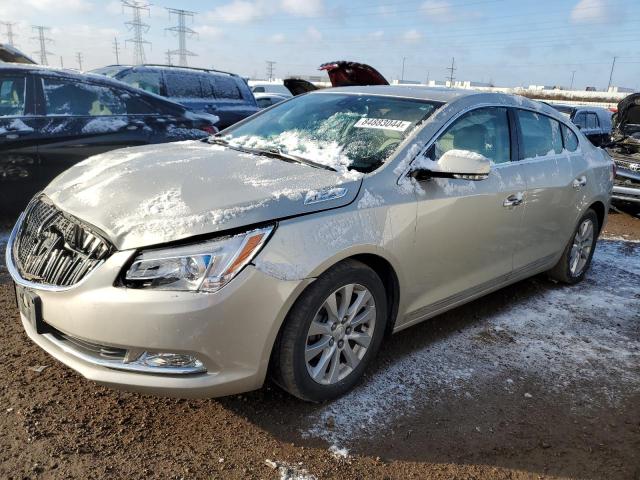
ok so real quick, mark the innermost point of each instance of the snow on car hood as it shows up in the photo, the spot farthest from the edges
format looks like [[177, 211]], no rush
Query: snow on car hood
[[155, 194]]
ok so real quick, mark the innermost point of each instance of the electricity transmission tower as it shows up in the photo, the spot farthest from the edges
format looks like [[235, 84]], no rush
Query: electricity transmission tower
[[138, 27], [79, 58], [452, 69], [116, 50], [270, 65], [183, 32], [42, 40], [169, 57], [10, 34]]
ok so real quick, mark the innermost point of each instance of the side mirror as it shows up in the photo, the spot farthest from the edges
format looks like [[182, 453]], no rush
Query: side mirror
[[457, 164]]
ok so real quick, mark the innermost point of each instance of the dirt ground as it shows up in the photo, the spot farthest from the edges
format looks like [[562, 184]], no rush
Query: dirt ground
[[537, 380]]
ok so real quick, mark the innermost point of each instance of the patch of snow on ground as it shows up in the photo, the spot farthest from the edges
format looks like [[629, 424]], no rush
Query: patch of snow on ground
[[561, 335], [370, 200], [338, 452], [291, 472]]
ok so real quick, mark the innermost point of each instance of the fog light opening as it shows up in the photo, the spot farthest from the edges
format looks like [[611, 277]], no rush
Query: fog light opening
[[167, 361]]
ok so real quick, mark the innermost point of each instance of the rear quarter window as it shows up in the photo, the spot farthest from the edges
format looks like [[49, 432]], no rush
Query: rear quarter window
[[570, 139]]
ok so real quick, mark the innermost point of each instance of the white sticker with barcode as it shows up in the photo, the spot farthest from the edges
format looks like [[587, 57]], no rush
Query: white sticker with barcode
[[383, 124]]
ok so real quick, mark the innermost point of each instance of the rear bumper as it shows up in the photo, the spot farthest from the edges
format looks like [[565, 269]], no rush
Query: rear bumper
[[626, 186]]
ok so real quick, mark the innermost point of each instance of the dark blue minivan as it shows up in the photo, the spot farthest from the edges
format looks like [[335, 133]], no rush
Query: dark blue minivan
[[223, 94]]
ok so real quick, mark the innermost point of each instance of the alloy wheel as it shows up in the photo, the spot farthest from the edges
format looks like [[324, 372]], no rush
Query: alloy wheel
[[581, 248], [340, 334]]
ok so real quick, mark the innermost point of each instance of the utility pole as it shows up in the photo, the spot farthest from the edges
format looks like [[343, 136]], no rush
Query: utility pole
[[116, 50], [611, 74], [573, 74], [452, 69], [79, 58], [270, 65], [10, 34], [42, 41], [428, 73], [183, 32], [61, 62], [402, 74], [138, 27], [168, 55]]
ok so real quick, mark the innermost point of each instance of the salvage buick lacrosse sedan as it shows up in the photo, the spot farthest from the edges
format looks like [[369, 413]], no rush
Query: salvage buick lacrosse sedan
[[293, 243]]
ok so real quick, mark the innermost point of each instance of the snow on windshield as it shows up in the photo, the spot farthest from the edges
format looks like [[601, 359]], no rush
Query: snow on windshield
[[344, 132]]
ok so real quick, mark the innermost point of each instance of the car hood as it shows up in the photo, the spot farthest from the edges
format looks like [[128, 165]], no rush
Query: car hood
[[626, 128], [298, 86], [345, 74], [156, 194]]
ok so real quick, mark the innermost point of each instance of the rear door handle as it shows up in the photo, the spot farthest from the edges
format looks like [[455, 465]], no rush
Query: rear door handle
[[580, 182], [513, 200]]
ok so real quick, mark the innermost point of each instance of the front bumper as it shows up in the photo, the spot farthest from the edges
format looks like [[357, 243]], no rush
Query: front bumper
[[231, 331], [626, 186]]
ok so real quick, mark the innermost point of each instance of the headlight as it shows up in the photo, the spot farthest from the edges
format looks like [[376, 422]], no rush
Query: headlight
[[205, 267]]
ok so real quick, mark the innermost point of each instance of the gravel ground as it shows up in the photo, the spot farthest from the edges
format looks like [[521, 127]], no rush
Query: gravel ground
[[537, 380]]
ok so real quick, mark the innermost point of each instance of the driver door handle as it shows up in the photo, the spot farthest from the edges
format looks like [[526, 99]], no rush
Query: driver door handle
[[580, 182], [513, 200]]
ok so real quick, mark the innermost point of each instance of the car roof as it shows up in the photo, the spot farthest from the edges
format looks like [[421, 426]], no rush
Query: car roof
[[443, 95], [159, 66]]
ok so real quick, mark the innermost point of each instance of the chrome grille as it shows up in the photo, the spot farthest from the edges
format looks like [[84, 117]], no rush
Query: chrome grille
[[54, 248]]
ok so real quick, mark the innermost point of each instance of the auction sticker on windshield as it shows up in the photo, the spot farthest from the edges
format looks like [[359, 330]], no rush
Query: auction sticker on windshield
[[383, 123]]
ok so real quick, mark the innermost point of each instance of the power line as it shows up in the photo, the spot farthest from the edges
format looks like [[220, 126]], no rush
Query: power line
[[138, 27], [10, 35], [452, 69], [183, 32], [42, 41], [79, 59], [116, 50], [270, 68]]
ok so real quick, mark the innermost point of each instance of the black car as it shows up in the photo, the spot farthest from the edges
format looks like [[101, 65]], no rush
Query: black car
[[625, 151], [51, 119], [223, 94], [595, 122]]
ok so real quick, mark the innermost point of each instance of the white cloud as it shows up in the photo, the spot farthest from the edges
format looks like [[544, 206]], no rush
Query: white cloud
[[303, 8], [208, 32], [377, 35], [412, 36], [238, 11], [278, 38], [438, 10], [314, 34], [589, 11], [114, 7], [22, 8]]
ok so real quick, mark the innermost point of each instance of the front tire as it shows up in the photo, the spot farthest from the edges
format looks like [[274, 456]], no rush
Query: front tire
[[332, 333], [576, 258]]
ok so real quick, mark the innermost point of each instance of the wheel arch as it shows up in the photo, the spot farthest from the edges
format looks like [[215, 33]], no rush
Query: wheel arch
[[601, 212]]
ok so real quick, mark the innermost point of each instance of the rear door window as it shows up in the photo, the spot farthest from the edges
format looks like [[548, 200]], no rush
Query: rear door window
[[580, 120], [148, 81], [570, 139], [226, 87], [484, 131], [541, 135], [12, 95], [69, 97], [183, 85]]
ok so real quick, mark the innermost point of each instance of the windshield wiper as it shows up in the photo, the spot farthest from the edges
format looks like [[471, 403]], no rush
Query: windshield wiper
[[276, 152]]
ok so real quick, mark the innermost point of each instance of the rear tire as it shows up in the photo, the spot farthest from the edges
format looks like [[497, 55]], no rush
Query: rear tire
[[576, 258], [332, 333]]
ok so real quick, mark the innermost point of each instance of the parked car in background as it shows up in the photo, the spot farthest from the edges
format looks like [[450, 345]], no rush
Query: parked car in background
[[266, 100], [51, 119], [9, 54], [594, 122], [223, 94], [294, 242], [275, 88], [625, 150]]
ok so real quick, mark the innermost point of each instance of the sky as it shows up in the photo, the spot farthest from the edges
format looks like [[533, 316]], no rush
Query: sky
[[504, 42]]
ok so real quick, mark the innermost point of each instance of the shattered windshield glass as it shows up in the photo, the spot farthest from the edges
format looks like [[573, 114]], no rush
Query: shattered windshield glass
[[340, 131]]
